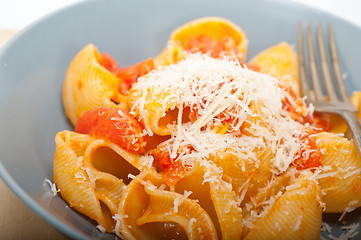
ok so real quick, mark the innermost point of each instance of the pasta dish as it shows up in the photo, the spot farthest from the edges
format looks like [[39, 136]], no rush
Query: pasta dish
[[201, 143]]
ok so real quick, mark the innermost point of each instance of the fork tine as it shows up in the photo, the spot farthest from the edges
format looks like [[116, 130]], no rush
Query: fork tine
[[313, 66], [324, 65], [336, 65], [343, 108], [305, 88]]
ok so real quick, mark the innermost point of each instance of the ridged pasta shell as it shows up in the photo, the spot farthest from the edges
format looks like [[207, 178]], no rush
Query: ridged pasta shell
[[110, 158], [296, 214], [228, 213], [88, 85], [245, 173], [343, 185], [175, 207], [133, 204], [91, 174], [263, 197], [356, 101], [213, 27], [73, 180], [161, 110], [281, 62], [109, 166], [276, 184], [216, 197]]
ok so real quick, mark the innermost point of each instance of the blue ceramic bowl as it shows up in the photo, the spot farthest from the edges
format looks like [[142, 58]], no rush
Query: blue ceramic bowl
[[34, 62]]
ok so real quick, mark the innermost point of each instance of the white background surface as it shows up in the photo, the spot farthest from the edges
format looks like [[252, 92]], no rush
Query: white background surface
[[16, 14]]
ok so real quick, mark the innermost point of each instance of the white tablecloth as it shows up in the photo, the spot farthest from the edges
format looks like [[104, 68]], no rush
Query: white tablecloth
[[19, 13]]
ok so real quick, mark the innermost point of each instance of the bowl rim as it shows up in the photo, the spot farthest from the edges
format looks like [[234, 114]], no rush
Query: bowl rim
[[10, 181]]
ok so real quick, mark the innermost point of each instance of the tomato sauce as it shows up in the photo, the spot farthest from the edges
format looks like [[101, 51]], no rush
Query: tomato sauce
[[296, 109], [310, 155], [226, 47], [128, 75], [115, 125], [172, 171]]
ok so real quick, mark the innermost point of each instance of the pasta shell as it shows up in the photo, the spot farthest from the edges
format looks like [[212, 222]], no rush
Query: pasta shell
[[228, 213], [92, 174], [264, 197], [356, 101], [109, 167], [159, 111], [296, 214], [88, 85], [281, 62], [133, 205], [73, 180], [212, 27], [174, 207], [341, 177], [104, 156], [216, 197], [245, 174]]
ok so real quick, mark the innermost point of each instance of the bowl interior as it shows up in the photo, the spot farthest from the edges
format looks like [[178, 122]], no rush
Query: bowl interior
[[34, 62]]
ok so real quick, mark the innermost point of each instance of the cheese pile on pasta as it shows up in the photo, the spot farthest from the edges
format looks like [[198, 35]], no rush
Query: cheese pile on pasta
[[196, 144], [225, 97]]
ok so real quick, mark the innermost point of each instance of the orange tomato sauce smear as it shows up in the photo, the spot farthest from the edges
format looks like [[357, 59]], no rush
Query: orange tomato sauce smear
[[226, 47], [310, 155], [128, 75], [114, 125], [125, 131], [170, 169]]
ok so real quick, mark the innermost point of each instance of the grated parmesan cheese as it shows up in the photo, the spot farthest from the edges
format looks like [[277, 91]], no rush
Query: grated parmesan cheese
[[131, 176], [354, 172], [348, 209], [90, 175], [351, 231], [117, 219], [101, 228], [191, 222], [325, 227], [52, 187], [298, 223], [79, 162], [220, 90], [178, 201], [146, 162], [278, 226]]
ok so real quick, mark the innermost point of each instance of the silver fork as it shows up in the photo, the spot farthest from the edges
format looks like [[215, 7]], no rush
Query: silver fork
[[334, 104]]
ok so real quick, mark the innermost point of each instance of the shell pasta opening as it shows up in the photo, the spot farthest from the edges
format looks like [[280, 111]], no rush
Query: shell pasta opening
[[105, 159]]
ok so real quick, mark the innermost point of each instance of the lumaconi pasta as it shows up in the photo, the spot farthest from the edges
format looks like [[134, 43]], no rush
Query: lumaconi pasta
[[302, 203], [221, 36], [88, 85], [198, 144], [279, 61]]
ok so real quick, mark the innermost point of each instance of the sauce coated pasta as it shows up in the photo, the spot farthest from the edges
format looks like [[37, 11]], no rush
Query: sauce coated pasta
[[199, 143]]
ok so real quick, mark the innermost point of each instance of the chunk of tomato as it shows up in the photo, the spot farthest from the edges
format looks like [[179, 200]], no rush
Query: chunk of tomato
[[114, 125], [128, 75], [225, 47], [171, 170], [310, 155], [107, 61]]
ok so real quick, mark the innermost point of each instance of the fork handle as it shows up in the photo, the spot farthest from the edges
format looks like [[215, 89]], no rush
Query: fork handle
[[354, 125]]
